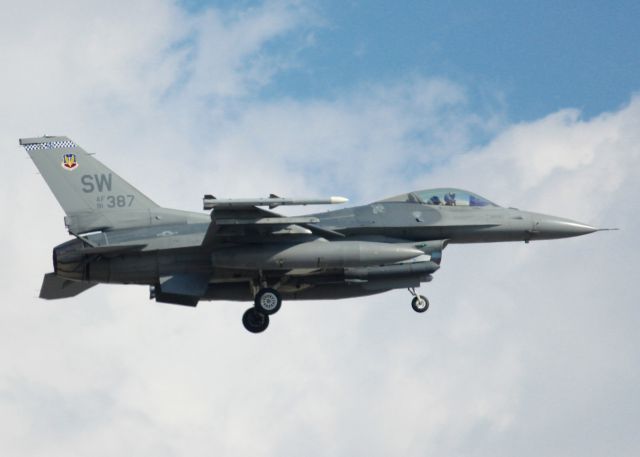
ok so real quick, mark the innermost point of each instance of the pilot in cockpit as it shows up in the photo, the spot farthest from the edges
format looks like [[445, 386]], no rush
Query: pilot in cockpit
[[450, 199], [435, 200]]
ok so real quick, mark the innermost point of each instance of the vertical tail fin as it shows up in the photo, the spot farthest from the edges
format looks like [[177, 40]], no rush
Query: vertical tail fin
[[92, 195]]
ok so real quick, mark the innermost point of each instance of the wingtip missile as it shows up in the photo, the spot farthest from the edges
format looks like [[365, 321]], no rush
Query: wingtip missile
[[273, 201]]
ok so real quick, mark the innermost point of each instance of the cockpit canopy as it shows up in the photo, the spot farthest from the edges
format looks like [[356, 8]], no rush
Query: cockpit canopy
[[442, 197]]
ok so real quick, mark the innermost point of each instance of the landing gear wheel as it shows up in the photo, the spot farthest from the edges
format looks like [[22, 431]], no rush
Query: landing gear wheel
[[268, 301], [420, 303], [254, 321]]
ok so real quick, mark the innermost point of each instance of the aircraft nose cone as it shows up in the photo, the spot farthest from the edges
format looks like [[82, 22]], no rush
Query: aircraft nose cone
[[549, 227]]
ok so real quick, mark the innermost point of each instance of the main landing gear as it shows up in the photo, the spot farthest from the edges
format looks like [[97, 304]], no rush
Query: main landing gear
[[419, 303], [254, 321], [267, 302]]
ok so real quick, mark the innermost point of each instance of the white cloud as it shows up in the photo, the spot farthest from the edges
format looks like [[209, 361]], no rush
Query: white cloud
[[227, 59], [523, 344]]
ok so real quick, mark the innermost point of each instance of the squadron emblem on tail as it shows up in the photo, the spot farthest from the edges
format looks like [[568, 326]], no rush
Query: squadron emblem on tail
[[69, 162]]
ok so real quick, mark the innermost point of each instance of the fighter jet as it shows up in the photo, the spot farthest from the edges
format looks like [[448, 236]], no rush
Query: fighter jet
[[244, 251]]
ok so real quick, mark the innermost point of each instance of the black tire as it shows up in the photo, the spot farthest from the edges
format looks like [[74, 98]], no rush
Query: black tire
[[268, 301], [254, 321], [420, 304]]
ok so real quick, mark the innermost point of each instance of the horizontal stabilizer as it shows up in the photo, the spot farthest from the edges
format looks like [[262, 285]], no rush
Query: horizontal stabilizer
[[55, 287]]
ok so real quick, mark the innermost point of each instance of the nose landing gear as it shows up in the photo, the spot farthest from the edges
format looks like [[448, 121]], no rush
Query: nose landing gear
[[419, 303]]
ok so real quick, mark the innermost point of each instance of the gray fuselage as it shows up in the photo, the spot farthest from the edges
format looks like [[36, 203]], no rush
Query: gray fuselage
[[374, 235]]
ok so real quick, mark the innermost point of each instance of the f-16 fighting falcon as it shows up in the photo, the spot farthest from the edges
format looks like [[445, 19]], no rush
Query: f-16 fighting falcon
[[244, 251]]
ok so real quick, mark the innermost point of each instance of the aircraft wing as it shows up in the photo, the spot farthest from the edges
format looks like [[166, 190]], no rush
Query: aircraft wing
[[253, 224]]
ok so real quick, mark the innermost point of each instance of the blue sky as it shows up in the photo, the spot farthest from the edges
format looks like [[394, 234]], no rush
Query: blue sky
[[540, 56]]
